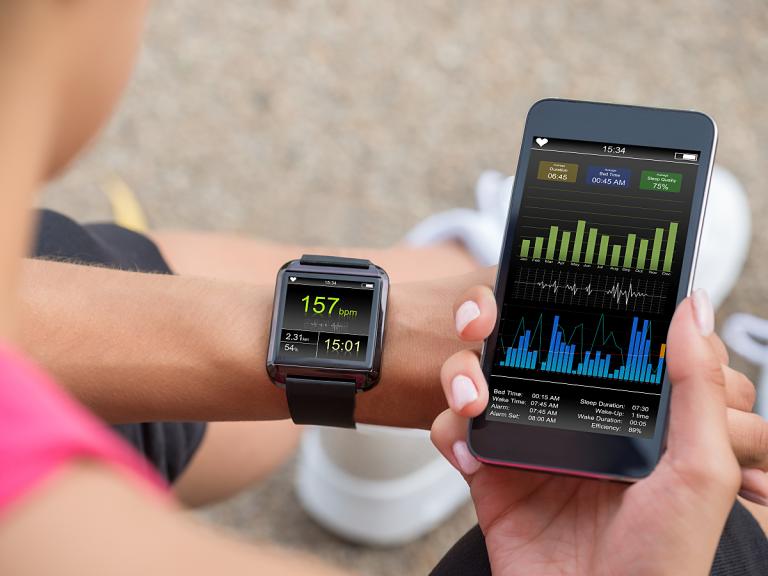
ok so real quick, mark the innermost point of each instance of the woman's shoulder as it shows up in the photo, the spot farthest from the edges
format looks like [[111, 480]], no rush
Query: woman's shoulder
[[42, 428]]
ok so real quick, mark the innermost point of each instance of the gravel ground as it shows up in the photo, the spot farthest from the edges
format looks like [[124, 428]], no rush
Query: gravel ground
[[255, 116]]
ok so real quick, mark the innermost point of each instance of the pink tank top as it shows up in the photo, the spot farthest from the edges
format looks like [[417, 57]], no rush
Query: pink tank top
[[42, 429]]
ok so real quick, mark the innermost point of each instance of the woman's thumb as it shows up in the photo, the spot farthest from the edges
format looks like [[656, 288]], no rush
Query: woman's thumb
[[698, 426]]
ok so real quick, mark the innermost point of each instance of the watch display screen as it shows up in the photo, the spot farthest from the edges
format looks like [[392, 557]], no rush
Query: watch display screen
[[326, 319], [596, 267]]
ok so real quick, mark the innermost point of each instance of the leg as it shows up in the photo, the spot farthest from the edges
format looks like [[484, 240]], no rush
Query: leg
[[233, 456], [468, 557], [742, 549]]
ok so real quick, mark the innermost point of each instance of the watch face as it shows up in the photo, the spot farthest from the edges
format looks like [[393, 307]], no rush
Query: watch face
[[327, 319]]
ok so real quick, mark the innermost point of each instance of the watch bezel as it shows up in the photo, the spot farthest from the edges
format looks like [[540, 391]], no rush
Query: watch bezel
[[365, 376]]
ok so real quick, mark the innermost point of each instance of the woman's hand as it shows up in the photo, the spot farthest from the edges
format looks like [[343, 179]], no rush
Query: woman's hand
[[669, 522]]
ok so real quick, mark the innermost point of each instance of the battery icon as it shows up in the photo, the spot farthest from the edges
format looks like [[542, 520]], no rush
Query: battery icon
[[367, 285], [686, 156]]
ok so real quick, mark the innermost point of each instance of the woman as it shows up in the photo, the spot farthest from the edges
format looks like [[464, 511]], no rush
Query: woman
[[75, 500]]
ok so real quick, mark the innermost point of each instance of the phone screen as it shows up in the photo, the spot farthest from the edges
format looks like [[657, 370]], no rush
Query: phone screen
[[591, 288]]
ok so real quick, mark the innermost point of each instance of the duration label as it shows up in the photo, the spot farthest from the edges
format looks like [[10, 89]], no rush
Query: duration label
[[606, 176], [661, 181], [558, 171]]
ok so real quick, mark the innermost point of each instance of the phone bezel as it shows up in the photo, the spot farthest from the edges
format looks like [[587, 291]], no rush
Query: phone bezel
[[575, 452]]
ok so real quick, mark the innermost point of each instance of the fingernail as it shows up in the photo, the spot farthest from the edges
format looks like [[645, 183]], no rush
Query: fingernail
[[465, 314], [752, 497], [464, 458], [463, 391], [702, 309]]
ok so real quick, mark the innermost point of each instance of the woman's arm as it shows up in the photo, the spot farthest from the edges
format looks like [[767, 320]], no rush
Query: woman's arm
[[87, 520], [138, 347]]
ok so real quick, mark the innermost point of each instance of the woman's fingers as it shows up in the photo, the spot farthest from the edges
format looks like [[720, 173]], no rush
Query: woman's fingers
[[719, 348], [739, 390], [463, 384], [748, 431], [699, 447], [449, 435], [475, 314], [749, 438], [740, 393], [754, 486]]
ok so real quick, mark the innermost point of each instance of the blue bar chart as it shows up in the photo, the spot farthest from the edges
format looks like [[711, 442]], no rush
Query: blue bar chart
[[631, 362]]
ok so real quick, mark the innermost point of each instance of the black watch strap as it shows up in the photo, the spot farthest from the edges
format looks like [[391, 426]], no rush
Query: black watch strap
[[321, 402], [338, 261], [314, 400]]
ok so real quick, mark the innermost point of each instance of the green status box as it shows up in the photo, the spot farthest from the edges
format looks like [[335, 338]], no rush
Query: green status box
[[558, 171], [660, 181]]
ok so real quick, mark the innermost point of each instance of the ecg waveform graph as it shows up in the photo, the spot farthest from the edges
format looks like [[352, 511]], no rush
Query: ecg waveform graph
[[570, 353], [644, 295]]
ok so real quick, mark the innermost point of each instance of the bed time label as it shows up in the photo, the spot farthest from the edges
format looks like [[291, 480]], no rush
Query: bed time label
[[599, 176], [558, 171]]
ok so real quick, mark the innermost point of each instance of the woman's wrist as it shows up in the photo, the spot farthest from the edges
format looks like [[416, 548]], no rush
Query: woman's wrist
[[141, 347], [420, 336]]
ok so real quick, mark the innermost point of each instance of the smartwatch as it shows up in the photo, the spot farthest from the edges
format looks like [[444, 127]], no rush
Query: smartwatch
[[327, 334]]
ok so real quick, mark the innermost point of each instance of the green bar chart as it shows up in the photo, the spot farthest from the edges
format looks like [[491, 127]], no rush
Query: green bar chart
[[629, 251], [615, 255], [641, 253], [578, 241], [603, 250], [525, 247], [564, 241], [626, 251], [552, 243], [656, 250], [670, 249], [591, 246]]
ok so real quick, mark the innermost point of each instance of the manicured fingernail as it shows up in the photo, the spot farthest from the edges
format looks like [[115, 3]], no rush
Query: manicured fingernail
[[465, 314], [463, 391], [752, 497], [702, 309], [464, 458]]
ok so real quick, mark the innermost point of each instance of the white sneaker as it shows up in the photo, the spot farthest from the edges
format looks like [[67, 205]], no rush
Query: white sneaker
[[725, 237], [480, 230], [747, 335], [375, 485]]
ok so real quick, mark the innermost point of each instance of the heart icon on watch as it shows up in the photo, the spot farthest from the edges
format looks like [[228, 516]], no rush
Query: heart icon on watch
[[541, 141], [292, 278]]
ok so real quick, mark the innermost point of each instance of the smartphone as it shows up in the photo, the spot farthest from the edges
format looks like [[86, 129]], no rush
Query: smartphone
[[600, 246]]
